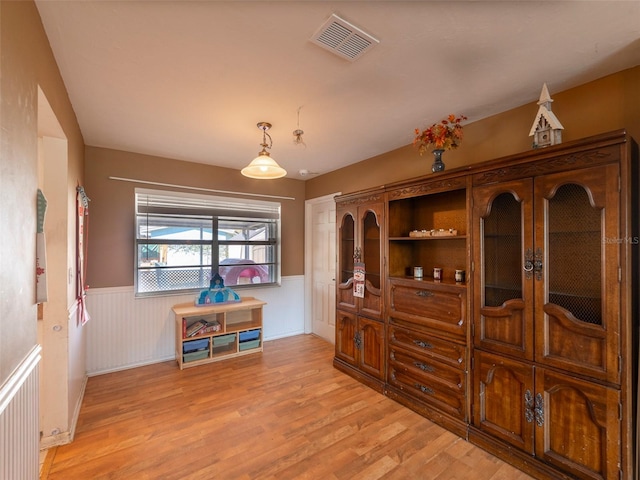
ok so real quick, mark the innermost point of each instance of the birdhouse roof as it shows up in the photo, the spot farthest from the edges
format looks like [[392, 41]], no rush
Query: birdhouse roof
[[549, 116]]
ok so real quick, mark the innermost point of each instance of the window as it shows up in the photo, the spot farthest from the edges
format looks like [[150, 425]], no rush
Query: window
[[183, 239]]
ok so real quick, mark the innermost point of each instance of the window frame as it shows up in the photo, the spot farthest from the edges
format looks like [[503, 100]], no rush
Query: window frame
[[158, 204]]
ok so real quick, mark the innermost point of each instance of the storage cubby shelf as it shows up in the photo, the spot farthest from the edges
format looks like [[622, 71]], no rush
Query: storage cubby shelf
[[239, 331]]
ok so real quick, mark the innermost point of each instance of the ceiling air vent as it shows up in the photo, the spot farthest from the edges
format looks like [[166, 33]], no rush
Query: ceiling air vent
[[343, 39]]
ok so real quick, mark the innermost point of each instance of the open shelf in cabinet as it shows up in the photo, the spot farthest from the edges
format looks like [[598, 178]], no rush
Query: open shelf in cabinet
[[443, 210], [427, 280], [239, 332]]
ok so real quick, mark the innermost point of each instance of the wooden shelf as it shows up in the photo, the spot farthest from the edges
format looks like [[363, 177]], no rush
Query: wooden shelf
[[430, 280], [443, 237]]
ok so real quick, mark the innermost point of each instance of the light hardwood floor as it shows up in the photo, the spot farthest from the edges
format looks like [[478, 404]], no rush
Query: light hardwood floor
[[283, 414]]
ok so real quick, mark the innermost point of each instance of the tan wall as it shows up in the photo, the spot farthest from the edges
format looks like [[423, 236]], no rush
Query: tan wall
[[607, 104], [27, 61], [610, 103], [111, 230]]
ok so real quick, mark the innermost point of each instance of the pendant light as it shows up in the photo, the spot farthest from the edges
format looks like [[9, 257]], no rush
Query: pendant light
[[263, 166]]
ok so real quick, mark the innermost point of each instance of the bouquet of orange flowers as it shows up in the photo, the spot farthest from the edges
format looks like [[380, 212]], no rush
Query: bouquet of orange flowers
[[445, 135]]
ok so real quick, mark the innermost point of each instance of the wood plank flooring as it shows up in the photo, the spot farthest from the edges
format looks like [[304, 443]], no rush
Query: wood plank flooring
[[283, 414]]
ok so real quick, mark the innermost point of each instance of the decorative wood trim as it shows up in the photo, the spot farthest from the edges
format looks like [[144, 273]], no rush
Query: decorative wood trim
[[521, 460], [554, 164], [368, 380], [456, 426], [428, 187], [360, 200]]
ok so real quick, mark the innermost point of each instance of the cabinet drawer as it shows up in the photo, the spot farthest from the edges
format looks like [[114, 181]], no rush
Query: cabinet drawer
[[428, 390], [423, 344], [437, 306], [425, 366]]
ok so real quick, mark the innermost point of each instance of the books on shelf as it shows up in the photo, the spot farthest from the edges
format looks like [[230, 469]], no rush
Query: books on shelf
[[210, 327], [199, 327]]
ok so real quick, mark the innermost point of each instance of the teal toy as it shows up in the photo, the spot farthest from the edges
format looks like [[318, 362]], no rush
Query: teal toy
[[217, 293]]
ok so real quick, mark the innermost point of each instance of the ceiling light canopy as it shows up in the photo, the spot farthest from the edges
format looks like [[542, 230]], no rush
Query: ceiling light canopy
[[263, 166]]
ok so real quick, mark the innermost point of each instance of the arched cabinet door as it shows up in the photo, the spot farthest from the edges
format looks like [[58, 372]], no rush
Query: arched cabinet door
[[370, 242], [360, 339], [503, 268], [360, 242], [371, 347], [346, 231], [577, 290], [346, 333], [505, 395], [547, 330], [575, 429]]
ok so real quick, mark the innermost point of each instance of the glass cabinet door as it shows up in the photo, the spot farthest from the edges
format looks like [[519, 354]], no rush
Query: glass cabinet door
[[504, 247], [370, 255], [577, 288], [371, 248], [346, 249]]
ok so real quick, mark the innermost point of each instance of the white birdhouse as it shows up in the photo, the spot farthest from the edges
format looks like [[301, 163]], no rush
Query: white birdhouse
[[546, 129]]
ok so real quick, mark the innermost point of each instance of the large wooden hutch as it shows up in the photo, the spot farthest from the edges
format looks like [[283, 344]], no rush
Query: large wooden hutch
[[534, 355]]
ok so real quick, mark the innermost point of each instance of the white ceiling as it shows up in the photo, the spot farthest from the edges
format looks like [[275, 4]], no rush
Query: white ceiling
[[191, 79]]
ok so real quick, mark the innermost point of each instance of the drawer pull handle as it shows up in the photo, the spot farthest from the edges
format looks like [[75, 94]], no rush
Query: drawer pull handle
[[422, 344], [424, 293], [423, 389], [424, 367]]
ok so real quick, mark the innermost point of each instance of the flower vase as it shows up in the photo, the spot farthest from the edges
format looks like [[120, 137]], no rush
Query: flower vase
[[438, 165]]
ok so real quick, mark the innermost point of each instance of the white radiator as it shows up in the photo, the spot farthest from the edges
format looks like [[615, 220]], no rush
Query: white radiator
[[19, 429]]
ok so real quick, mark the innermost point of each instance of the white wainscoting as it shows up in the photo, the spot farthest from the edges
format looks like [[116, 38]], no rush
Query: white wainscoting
[[126, 332], [19, 429]]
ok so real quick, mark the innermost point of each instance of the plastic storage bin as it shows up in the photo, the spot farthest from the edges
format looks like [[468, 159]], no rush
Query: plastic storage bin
[[194, 345], [249, 335], [250, 344], [224, 339], [193, 356]]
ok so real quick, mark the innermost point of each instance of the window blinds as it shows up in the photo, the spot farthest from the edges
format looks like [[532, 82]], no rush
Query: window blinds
[[190, 204]]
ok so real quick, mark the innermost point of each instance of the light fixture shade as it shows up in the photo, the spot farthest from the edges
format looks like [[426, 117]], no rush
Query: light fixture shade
[[263, 167]]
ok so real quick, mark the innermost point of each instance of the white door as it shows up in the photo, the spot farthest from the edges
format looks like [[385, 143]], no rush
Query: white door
[[320, 266]]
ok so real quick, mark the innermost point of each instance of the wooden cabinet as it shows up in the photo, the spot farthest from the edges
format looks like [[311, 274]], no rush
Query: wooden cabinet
[[427, 317], [547, 268], [428, 373], [231, 330], [547, 320], [359, 308], [554, 417], [535, 356], [434, 210], [360, 343]]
